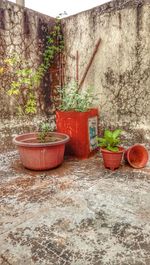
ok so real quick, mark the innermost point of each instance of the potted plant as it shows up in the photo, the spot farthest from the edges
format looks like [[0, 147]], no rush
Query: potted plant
[[41, 150], [111, 150], [76, 117]]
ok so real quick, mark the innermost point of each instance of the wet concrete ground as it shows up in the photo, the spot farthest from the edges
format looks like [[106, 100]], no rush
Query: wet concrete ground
[[77, 214]]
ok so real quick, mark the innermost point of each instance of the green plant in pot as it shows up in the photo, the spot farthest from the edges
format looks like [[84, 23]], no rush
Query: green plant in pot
[[76, 117], [44, 133], [41, 150], [111, 150], [71, 99]]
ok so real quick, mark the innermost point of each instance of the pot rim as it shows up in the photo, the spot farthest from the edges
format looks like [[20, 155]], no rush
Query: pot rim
[[75, 111], [64, 138], [121, 150], [145, 158]]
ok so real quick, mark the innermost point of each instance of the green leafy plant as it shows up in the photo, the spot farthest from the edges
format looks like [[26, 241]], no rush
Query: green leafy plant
[[24, 81], [72, 99], [44, 130], [22, 87], [44, 135], [111, 140]]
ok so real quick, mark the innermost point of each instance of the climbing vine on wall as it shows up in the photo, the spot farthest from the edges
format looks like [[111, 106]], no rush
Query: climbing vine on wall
[[23, 80]]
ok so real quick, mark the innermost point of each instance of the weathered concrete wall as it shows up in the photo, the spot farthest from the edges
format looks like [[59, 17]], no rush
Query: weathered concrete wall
[[23, 32], [120, 72]]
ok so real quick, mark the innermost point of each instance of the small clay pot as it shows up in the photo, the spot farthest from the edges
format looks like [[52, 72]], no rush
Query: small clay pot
[[137, 156], [112, 160]]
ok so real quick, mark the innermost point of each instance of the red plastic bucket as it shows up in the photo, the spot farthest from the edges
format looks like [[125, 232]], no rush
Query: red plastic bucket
[[82, 127], [137, 156]]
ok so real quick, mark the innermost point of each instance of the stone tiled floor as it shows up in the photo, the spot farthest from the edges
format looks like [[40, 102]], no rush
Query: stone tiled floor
[[77, 214]]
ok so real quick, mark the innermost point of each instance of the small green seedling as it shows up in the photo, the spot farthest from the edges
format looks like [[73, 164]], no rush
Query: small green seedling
[[44, 130], [111, 140]]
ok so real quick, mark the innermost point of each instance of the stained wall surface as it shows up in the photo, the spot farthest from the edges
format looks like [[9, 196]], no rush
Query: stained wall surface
[[23, 34], [120, 71]]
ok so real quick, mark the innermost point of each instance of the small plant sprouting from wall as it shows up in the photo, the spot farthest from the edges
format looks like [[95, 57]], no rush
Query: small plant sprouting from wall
[[23, 80]]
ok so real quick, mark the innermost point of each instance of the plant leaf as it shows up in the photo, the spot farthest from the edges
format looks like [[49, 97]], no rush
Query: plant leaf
[[113, 149], [111, 140], [116, 133], [101, 142], [108, 135]]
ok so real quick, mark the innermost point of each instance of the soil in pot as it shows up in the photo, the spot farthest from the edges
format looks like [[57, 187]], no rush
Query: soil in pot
[[48, 139]]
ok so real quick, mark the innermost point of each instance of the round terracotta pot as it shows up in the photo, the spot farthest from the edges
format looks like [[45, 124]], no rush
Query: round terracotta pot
[[112, 160], [137, 156], [41, 156]]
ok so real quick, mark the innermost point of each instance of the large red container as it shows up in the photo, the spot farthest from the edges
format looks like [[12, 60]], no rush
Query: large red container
[[82, 127], [41, 156]]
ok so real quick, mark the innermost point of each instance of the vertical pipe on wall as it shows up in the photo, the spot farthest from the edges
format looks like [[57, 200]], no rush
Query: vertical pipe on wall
[[90, 63], [62, 70], [77, 67]]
